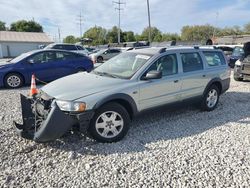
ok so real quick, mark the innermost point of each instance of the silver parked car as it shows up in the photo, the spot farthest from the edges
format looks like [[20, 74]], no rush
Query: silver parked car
[[105, 101], [68, 47], [103, 55], [242, 65]]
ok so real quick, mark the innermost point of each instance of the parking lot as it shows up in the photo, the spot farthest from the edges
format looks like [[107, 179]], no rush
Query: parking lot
[[181, 147]]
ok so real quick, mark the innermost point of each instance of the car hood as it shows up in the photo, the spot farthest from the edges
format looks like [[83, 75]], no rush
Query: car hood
[[5, 64], [80, 85]]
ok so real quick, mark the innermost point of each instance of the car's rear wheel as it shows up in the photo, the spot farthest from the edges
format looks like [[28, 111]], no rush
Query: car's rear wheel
[[13, 80], [110, 123], [100, 59], [210, 98]]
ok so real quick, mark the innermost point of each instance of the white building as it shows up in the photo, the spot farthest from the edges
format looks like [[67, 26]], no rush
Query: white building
[[13, 44]]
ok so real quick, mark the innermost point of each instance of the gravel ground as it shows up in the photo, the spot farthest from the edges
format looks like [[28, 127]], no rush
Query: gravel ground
[[168, 148]]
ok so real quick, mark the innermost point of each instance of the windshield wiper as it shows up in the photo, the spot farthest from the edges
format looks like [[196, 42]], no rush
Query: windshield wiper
[[106, 74]]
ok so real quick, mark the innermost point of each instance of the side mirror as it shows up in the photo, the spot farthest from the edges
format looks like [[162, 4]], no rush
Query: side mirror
[[31, 61], [105, 52], [153, 75]]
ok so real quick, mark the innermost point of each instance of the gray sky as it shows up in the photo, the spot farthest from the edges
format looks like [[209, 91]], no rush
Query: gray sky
[[167, 15]]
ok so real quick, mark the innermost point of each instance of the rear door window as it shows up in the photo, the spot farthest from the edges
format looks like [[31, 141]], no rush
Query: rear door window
[[214, 58], [70, 47], [114, 51], [58, 46], [65, 56], [191, 62]]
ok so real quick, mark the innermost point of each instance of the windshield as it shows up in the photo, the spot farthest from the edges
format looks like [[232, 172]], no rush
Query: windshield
[[20, 57], [123, 65], [238, 51]]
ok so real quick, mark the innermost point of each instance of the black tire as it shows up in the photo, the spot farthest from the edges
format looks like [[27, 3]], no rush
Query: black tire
[[205, 104], [100, 59], [17, 80], [238, 79], [108, 109]]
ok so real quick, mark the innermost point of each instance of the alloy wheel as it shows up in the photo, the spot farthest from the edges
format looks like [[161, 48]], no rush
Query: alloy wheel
[[109, 124], [212, 98]]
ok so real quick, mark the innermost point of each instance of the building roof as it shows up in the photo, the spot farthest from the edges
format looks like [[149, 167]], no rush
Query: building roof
[[12, 36], [239, 39]]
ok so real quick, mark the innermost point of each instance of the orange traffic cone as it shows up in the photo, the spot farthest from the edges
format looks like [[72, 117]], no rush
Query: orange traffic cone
[[33, 89]]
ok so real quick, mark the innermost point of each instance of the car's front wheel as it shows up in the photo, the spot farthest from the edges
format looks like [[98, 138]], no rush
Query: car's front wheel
[[110, 123], [13, 80], [210, 98]]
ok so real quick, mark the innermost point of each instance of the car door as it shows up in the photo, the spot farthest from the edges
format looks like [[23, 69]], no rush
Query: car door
[[65, 64], [42, 65], [194, 79], [161, 91]]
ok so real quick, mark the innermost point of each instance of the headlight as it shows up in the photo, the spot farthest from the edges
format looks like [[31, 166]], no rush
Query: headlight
[[238, 63], [71, 106]]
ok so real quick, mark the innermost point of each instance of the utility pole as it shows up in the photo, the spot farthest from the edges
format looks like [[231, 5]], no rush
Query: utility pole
[[59, 34], [149, 23], [216, 22], [119, 3], [80, 20]]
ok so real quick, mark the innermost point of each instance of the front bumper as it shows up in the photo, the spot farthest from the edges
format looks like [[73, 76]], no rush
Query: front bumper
[[242, 71], [56, 124]]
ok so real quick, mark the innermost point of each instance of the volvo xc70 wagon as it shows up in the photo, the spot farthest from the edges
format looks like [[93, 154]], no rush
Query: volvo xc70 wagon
[[104, 101]]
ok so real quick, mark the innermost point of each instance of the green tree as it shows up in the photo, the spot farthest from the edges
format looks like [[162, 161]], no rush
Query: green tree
[[197, 32], [112, 35], [26, 26], [2, 26], [235, 30], [128, 36], [70, 39], [138, 37], [97, 34], [247, 28], [156, 35], [170, 37]]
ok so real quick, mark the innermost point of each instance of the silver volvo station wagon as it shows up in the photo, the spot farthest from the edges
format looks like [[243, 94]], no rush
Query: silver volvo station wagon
[[104, 101]]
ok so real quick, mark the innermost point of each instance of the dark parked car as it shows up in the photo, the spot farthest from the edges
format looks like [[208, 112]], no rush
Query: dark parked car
[[242, 66], [237, 54], [47, 65], [68, 47]]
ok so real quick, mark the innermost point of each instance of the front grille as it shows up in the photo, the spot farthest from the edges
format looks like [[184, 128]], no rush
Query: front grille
[[246, 69]]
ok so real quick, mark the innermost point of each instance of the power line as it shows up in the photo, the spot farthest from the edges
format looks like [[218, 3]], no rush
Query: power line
[[119, 3]]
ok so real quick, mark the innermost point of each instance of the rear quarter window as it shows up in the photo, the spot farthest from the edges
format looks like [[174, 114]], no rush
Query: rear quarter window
[[214, 58], [70, 47]]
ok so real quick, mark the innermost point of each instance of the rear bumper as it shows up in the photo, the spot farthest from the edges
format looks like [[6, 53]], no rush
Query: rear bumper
[[54, 126], [225, 85], [242, 71]]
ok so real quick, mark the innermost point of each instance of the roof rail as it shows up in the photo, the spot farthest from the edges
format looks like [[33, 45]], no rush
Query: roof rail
[[162, 50]]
